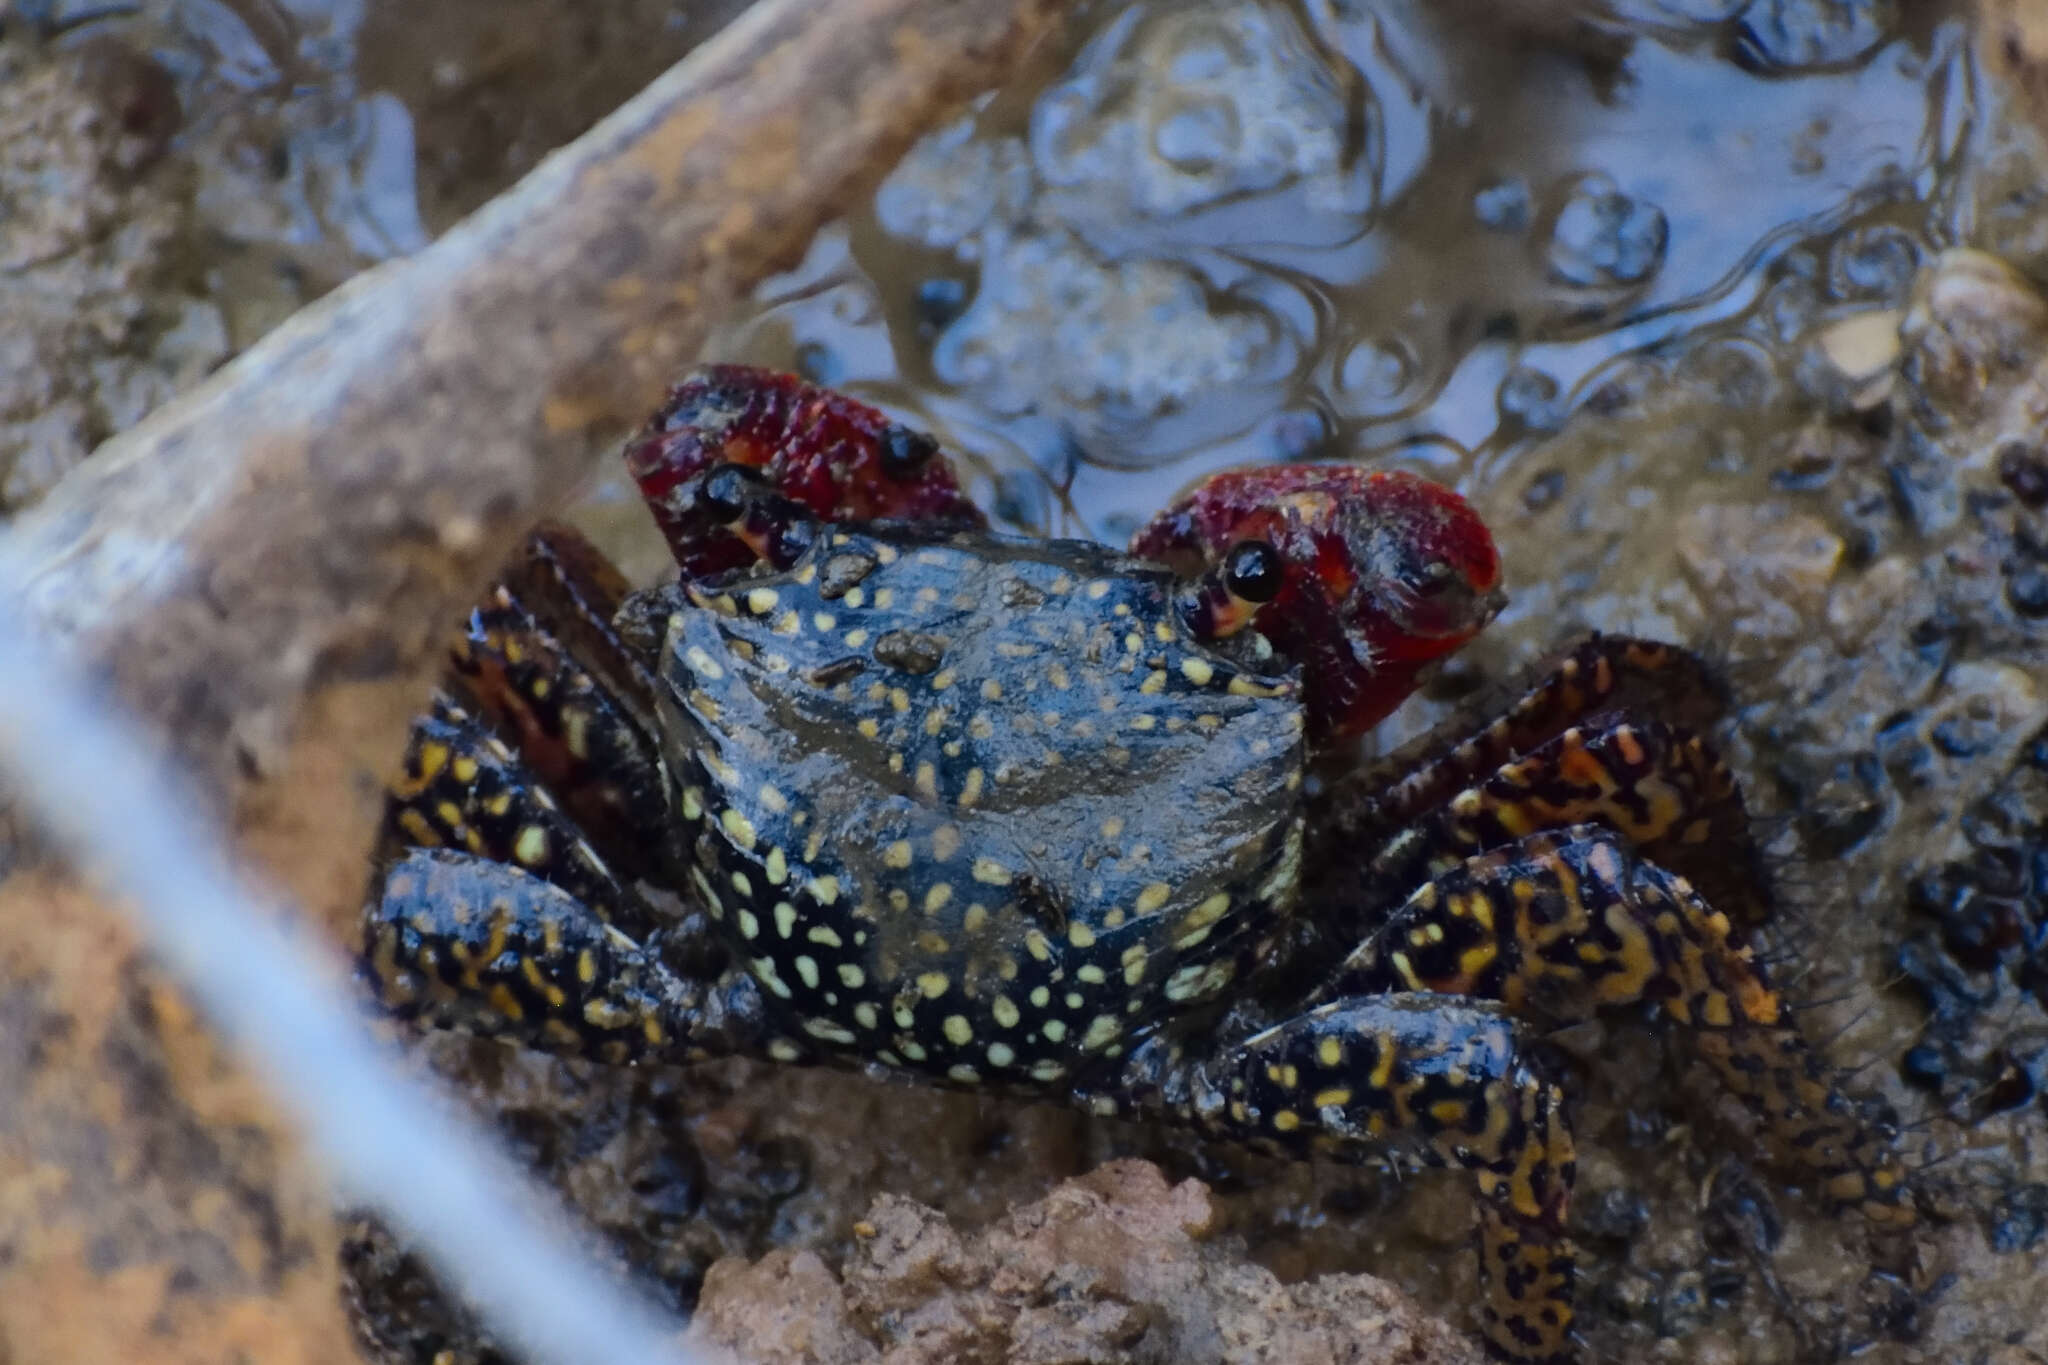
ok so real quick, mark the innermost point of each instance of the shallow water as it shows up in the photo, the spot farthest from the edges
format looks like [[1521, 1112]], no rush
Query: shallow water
[[1218, 233], [1243, 232]]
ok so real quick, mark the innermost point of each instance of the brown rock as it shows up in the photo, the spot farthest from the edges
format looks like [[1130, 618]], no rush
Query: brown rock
[[1114, 1268], [785, 1308], [151, 1205], [1767, 575], [1972, 335], [100, 327]]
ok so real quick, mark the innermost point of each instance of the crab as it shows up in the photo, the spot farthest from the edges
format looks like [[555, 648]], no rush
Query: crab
[[1037, 816]]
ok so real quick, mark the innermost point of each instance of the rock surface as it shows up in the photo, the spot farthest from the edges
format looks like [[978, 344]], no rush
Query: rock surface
[[102, 324], [1115, 1268]]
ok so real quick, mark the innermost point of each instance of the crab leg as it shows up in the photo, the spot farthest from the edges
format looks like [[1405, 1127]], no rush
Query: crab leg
[[1664, 786], [461, 788], [458, 942], [1600, 673], [1562, 924], [1443, 1082], [546, 668]]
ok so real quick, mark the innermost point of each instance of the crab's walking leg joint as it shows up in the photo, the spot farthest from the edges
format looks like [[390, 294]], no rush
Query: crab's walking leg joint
[[1600, 673], [1663, 786], [482, 948], [462, 789], [568, 694], [1560, 925], [1442, 1081]]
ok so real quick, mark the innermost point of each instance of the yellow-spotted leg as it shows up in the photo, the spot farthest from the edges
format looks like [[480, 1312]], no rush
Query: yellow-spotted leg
[[539, 752], [1428, 1078], [1600, 674], [1663, 786], [461, 943], [547, 671], [1559, 925], [461, 788]]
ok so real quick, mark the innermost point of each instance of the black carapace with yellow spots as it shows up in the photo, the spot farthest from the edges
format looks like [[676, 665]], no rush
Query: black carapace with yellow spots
[[1035, 815]]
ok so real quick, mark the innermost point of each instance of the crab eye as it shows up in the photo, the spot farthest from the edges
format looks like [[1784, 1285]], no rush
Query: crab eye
[[904, 452], [726, 492], [1254, 571]]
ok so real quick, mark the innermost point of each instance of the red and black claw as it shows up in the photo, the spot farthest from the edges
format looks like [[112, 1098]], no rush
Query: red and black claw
[[1379, 575], [838, 459], [776, 530]]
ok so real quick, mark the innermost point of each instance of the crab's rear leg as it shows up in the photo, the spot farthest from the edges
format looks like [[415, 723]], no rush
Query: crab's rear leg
[[1434, 1079], [1562, 924], [547, 761], [514, 914], [462, 943]]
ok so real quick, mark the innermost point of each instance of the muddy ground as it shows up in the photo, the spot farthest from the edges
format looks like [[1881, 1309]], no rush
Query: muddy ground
[[1749, 407]]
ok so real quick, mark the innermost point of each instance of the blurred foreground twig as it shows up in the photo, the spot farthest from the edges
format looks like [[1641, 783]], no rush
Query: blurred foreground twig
[[384, 1138]]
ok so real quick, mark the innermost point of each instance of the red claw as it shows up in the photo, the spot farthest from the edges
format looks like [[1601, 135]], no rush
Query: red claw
[[841, 459], [1382, 573]]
